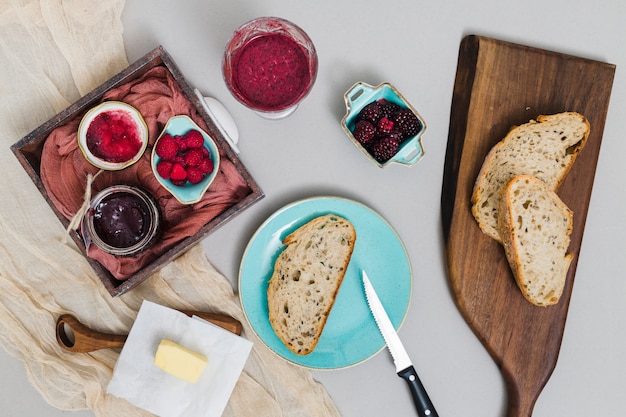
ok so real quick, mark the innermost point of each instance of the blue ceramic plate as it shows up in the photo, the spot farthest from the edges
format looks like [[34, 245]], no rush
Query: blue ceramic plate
[[350, 335], [188, 193]]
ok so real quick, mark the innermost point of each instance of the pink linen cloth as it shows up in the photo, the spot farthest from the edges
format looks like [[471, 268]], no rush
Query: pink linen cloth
[[64, 169]]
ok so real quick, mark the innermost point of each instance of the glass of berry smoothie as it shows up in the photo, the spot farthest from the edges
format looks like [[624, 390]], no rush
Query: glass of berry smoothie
[[270, 65]]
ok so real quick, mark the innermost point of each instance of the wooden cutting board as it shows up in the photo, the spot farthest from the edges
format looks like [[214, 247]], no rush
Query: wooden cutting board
[[499, 85]]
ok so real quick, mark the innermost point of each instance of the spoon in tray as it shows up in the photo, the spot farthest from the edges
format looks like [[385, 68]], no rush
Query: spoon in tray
[[221, 117]]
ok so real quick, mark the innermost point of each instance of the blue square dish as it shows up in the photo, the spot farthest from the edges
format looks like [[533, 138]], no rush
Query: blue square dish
[[359, 96], [188, 193]]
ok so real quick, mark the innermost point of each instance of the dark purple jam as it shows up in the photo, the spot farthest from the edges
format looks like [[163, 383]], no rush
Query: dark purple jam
[[121, 220]]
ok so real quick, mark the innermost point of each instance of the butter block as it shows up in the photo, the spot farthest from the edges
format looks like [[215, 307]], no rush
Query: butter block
[[179, 361]]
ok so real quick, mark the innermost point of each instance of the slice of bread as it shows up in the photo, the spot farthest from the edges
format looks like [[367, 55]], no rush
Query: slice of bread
[[545, 149], [306, 279], [535, 226]]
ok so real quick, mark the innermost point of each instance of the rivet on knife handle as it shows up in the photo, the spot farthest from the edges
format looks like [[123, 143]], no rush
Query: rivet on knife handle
[[424, 406]]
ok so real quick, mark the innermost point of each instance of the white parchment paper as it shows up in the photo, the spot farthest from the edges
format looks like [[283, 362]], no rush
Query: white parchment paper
[[147, 386]]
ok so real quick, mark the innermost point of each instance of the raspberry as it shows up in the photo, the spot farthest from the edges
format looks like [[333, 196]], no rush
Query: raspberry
[[372, 112], [364, 132], [193, 157], [385, 148], [194, 139], [407, 123], [182, 143], [194, 175], [179, 183], [206, 166], [178, 159], [384, 126], [178, 173], [164, 168], [166, 147]]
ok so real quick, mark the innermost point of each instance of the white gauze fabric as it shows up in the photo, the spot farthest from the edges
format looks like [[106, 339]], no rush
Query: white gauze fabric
[[52, 52]]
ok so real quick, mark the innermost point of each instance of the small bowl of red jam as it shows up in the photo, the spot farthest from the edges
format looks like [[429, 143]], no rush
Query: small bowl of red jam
[[113, 135], [383, 125], [122, 220]]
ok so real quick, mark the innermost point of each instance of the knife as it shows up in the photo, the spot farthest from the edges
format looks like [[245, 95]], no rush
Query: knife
[[404, 366]]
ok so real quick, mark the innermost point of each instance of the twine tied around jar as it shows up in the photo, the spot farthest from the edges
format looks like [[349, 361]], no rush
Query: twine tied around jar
[[78, 217]]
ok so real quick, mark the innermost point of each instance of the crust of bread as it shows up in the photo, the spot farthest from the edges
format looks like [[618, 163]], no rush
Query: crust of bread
[[306, 279], [545, 148], [535, 226]]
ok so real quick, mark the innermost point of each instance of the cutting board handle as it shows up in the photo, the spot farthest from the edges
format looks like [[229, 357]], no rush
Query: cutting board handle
[[518, 406]]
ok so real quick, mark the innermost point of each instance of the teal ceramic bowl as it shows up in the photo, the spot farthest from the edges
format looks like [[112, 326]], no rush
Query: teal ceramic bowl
[[188, 193], [359, 96]]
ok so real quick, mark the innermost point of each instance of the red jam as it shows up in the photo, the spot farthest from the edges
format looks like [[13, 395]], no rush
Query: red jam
[[113, 136], [271, 72], [121, 220]]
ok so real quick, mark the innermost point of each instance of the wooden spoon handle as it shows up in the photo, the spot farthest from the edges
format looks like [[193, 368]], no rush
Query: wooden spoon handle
[[82, 339], [222, 320]]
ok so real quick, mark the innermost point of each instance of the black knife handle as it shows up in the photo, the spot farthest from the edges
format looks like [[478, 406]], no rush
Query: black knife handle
[[425, 407]]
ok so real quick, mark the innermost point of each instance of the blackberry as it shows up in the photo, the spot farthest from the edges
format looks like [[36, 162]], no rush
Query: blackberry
[[407, 123], [385, 148], [372, 112], [364, 132], [388, 108]]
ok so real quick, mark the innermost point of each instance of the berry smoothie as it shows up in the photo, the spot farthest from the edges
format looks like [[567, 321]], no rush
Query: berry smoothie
[[271, 72], [270, 65]]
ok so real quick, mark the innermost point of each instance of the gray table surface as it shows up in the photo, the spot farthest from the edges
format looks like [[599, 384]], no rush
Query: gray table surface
[[413, 45]]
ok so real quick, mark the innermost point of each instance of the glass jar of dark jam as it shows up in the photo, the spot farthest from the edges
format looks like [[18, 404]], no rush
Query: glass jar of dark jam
[[122, 220]]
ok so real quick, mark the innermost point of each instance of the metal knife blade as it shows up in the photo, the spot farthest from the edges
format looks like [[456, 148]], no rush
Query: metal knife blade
[[404, 366]]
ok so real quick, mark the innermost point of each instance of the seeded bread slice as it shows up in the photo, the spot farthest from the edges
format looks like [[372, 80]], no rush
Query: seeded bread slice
[[545, 149], [535, 226], [306, 279]]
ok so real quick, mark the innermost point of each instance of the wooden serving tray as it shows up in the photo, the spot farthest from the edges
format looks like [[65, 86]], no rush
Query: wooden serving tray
[[499, 85], [29, 152]]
